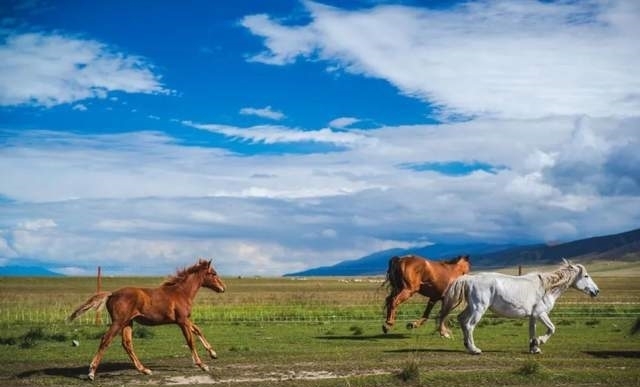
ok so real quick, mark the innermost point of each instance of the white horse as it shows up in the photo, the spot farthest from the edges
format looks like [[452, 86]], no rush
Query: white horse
[[532, 295]]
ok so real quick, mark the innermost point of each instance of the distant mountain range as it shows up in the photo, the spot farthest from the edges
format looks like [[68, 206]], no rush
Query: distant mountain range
[[623, 246], [26, 271]]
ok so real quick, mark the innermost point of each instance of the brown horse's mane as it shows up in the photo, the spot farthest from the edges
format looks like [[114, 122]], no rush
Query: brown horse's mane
[[457, 259], [181, 275]]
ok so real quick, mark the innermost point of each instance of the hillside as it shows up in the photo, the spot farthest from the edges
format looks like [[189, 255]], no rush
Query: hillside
[[623, 246]]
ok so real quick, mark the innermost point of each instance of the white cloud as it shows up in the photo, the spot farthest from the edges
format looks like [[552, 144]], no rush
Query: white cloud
[[266, 112], [37, 224], [80, 107], [343, 122], [48, 69], [270, 134], [487, 58], [146, 198]]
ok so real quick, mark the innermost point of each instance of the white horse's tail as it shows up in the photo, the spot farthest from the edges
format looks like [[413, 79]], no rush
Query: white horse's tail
[[456, 293], [97, 301]]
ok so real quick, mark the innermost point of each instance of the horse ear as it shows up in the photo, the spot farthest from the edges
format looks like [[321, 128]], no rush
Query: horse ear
[[209, 263], [568, 263]]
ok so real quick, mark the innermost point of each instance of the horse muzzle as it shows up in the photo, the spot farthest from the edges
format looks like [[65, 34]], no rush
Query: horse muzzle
[[594, 293]]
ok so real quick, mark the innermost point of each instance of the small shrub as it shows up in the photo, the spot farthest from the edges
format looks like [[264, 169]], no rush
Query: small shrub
[[59, 337], [356, 330], [592, 323], [30, 339], [141, 332], [410, 372], [565, 322], [8, 341], [636, 326]]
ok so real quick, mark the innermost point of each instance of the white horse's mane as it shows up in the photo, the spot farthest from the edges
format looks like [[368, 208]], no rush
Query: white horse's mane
[[560, 279]]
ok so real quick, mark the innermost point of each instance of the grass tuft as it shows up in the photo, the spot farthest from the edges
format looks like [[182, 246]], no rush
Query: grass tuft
[[529, 368], [410, 372]]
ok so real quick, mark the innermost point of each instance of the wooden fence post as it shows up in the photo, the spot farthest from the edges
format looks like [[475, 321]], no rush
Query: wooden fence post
[[98, 290]]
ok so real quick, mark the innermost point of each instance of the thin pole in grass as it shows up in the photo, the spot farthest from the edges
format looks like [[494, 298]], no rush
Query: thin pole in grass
[[98, 289]]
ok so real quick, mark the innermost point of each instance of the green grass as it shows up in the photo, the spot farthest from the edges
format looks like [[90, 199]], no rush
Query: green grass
[[278, 332]]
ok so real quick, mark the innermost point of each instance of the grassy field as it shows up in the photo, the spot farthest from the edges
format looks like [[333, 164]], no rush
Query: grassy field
[[316, 332]]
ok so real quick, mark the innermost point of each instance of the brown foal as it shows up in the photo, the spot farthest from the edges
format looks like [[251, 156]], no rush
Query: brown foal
[[170, 303]]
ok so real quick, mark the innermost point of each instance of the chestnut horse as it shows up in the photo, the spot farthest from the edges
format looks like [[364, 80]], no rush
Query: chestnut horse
[[412, 274], [168, 304]]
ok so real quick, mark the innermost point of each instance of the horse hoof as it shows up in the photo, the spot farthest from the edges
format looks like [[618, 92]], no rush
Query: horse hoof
[[535, 351], [213, 354], [147, 371], [204, 367], [411, 325], [91, 377], [385, 329]]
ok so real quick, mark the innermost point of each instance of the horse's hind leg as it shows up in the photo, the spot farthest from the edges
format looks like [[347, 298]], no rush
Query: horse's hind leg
[[127, 344], [106, 340], [195, 329], [468, 319], [425, 316], [393, 301]]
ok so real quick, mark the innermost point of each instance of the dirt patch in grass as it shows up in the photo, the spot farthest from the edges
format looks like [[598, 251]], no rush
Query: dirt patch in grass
[[269, 377]]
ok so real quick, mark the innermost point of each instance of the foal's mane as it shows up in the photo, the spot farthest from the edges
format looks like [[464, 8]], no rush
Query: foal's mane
[[182, 275], [561, 278]]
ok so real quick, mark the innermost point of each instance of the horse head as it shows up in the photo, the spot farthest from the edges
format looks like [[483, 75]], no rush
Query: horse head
[[583, 280], [211, 279], [464, 264]]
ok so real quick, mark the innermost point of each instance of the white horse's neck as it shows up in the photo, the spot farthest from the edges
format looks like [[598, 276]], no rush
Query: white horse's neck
[[557, 282]]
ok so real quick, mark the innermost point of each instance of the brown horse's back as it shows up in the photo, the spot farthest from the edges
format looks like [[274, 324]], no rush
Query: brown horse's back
[[418, 274], [148, 306]]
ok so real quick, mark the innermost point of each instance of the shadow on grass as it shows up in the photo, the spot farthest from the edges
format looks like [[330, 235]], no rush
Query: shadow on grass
[[77, 372], [610, 354], [437, 350], [382, 336]]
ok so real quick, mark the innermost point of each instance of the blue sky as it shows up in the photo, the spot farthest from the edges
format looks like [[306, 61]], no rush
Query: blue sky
[[277, 136]]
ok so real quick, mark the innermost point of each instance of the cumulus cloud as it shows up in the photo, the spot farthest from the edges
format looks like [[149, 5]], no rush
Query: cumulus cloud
[[146, 197], [266, 112], [487, 58], [48, 69]]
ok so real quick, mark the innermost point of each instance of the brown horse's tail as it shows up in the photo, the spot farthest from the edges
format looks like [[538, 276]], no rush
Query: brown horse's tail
[[394, 276], [96, 301], [456, 293]]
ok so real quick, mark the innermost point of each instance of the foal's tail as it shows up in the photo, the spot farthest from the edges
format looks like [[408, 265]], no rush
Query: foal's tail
[[96, 301], [456, 293]]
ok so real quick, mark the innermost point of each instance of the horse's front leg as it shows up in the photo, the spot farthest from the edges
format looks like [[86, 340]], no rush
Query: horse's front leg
[[534, 345], [187, 329], [425, 315], [195, 329], [550, 328]]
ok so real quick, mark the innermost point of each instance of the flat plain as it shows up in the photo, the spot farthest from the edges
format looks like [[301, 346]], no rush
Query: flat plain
[[318, 332]]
